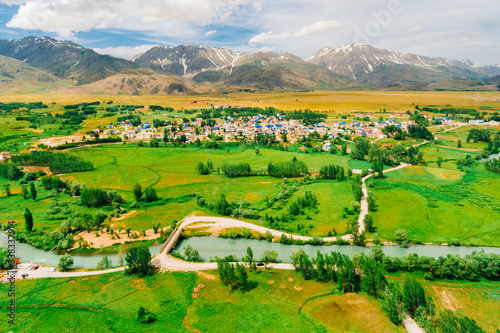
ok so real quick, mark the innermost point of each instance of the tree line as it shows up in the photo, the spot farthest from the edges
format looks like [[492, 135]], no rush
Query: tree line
[[58, 163]]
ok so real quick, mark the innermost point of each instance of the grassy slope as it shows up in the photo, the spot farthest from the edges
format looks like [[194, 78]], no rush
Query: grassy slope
[[480, 301]]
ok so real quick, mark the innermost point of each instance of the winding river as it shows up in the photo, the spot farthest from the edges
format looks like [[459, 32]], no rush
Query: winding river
[[211, 247]]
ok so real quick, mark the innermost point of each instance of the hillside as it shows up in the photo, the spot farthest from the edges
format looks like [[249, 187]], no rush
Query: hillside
[[16, 76], [66, 59], [283, 71], [157, 84]]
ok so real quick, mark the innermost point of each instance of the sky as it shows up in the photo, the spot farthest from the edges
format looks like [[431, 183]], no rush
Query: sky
[[455, 29]]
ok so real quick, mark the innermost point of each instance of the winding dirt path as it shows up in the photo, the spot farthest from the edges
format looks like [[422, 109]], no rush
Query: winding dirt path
[[364, 201]]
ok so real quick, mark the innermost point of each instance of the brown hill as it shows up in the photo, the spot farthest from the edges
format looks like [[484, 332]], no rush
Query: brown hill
[[157, 84]]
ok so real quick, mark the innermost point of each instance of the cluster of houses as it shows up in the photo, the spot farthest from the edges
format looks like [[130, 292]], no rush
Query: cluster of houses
[[231, 128]]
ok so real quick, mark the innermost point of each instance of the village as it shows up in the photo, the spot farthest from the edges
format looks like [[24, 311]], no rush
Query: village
[[234, 129]]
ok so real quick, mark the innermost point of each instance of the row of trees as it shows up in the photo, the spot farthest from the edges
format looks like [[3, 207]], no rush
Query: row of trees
[[290, 169], [472, 267], [333, 172], [57, 162], [237, 170]]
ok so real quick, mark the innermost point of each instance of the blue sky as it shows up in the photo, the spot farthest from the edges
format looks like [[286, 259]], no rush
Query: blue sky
[[456, 29]]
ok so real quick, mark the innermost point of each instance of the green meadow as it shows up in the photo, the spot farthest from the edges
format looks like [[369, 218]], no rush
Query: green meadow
[[439, 205], [109, 303], [280, 301], [172, 172]]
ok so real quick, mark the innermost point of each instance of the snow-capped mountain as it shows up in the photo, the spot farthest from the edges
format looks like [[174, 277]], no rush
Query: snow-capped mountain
[[367, 64], [188, 60]]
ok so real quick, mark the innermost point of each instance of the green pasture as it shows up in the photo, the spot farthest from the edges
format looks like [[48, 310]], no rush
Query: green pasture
[[108, 303], [439, 206]]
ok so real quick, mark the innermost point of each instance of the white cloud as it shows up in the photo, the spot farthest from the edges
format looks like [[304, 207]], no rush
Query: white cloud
[[267, 36], [211, 32], [318, 27], [13, 2], [125, 52], [414, 28], [64, 16], [257, 6]]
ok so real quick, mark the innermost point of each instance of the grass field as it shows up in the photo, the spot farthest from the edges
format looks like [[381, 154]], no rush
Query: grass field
[[338, 101], [108, 303], [172, 172], [439, 205], [480, 301]]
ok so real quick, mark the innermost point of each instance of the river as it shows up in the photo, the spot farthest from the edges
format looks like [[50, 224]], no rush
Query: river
[[211, 247], [27, 253]]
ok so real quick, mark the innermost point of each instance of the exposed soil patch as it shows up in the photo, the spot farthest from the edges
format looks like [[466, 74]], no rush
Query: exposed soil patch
[[447, 299], [270, 282], [186, 325], [105, 239], [71, 281], [37, 168], [206, 276], [195, 295]]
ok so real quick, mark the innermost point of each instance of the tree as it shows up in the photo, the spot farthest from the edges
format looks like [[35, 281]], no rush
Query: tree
[[378, 167], [269, 256], [368, 222], [104, 263], [145, 316], [150, 194], [249, 259], [344, 150], [65, 262], [127, 230], [5, 258], [25, 192], [33, 191], [7, 190], [401, 236], [284, 137], [413, 294], [376, 252], [449, 323], [439, 161], [138, 260], [28, 220], [361, 147], [191, 254], [459, 144], [257, 151], [349, 173], [137, 192]]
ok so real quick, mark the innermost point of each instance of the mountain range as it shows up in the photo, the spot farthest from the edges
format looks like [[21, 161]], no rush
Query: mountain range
[[191, 69]]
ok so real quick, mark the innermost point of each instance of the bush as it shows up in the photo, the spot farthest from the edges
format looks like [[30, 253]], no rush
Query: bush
[[145, 316]]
